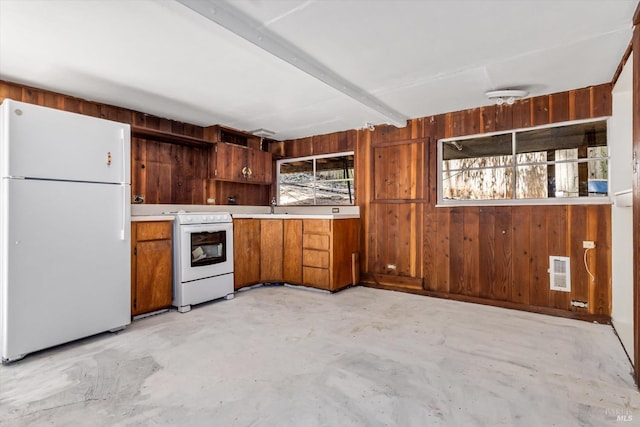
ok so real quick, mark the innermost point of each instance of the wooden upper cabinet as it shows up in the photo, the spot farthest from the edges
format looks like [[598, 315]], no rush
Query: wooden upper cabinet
[[235, 163], [260, 164]]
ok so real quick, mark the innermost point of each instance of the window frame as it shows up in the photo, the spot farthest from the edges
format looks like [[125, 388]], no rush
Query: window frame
[[313, 159], [580, 200]]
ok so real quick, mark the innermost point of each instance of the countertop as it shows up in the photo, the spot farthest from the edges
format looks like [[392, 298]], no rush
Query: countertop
[[135, 218], [294, 216], [151, 212]]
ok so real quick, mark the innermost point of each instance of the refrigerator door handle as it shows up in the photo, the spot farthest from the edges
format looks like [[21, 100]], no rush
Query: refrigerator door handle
[[123, 158], [124, 187], [124, 213]]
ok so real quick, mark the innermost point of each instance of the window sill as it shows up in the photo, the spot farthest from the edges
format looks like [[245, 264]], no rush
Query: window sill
[[529, 202]]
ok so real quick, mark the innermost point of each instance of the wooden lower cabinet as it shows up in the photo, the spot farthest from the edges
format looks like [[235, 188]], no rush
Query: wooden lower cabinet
[[312, 252], [292, 251], [246, 252], [329, 248], [151, 266], [271, 250]]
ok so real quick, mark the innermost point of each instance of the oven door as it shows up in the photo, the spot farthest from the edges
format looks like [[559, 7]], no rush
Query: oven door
[[206, 250]]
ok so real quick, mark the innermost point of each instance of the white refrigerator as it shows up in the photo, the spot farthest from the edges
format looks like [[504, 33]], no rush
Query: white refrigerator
[[64, 227]]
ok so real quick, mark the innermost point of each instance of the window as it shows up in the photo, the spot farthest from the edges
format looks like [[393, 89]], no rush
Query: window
[[542, 165], [316, 180]]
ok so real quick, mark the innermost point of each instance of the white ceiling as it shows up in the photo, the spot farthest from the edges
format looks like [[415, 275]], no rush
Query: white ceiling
[[416, 57]]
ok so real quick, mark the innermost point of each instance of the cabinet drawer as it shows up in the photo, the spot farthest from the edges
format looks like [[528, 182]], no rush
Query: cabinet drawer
[[313, 258], [153, 230], [317, 226], [315, 241], [318, 277]]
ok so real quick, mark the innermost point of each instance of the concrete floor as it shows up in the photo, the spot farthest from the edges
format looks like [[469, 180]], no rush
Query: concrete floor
[[278, 356]]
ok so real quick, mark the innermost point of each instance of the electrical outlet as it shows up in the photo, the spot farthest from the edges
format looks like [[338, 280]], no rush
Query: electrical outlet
[[335, 210], [588, 244]]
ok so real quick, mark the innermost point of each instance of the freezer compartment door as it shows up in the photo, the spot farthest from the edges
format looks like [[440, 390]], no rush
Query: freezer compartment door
[[68, 269], [45, 143]]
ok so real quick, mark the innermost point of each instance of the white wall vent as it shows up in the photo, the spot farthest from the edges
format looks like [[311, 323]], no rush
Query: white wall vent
[[560, 273]]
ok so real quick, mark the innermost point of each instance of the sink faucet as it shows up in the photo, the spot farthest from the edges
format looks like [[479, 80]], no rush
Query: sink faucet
[[273, 204]]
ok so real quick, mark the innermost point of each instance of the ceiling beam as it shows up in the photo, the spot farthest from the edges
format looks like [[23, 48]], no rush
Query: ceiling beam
[[224, 14]]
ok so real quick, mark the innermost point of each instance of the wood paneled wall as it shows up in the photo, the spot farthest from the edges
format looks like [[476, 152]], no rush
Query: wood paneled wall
[[496, 255], [337, 142], [162, 172], [502, 253]]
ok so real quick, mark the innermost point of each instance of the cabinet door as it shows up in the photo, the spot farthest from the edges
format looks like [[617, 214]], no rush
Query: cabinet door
[[317, 277], [153, 276], [271, 249], [346, 242], [255, 164], [260, 164], [229, 161], [292, 251], [246, 250]]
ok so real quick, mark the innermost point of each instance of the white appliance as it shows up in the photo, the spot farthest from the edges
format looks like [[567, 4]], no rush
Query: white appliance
[[64, 227], [203, 258]]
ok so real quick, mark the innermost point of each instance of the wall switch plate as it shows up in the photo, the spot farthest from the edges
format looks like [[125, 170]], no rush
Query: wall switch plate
[[588, 244], [335, 210]]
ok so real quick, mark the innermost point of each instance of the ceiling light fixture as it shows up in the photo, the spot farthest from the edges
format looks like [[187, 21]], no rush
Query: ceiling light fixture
[[263, 133], [506, 95]]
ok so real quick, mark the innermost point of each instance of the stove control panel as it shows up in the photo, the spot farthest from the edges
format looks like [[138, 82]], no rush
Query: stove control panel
[[203, 217]]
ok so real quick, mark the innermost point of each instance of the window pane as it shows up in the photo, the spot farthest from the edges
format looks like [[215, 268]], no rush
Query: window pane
[[297, 167], [598, 152], [296, 193], [535, 157], [296, 183], [566, 178], [335, 193], [598, 182], [563, 161], [331, 184], [531, 182], [491, 147], [334, 168], [479, 184], [592, 134]]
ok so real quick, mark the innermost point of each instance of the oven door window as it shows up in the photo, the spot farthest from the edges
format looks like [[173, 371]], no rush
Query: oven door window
[[208, 247]]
